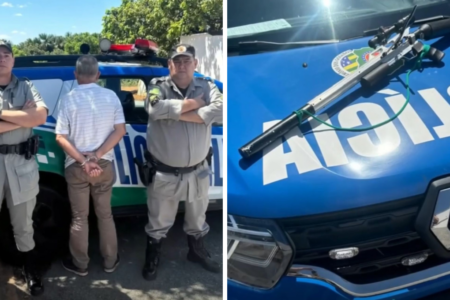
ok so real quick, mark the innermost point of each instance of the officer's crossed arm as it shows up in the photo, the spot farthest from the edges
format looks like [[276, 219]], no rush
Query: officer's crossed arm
[[7, 126], [212, 113], [159, 108], [31, 115]]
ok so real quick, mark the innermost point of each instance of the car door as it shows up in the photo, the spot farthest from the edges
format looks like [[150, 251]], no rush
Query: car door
[[131, 88]]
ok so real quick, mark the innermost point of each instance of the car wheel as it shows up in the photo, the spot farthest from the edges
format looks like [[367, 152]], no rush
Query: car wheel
[[51, 222]]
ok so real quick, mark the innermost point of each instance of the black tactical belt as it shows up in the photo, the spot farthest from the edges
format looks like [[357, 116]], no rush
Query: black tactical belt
[[19, 149], [174, 170], [28, 149], [168, 169]]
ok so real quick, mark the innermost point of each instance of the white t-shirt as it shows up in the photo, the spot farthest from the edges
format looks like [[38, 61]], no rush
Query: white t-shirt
[[87, 115]]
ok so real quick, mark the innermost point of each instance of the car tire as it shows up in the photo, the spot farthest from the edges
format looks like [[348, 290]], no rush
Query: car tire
[[51, 222]]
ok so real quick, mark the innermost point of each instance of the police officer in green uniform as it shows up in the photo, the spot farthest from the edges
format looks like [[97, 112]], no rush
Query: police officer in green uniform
[[21, 109], [181, 111]]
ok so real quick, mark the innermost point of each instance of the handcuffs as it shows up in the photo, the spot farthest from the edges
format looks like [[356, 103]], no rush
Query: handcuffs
[[88, 160]]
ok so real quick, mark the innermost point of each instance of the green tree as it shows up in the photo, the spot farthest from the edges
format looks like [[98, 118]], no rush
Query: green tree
[[45, 44], [73, 42], [163, 21], [17, 51], [49, 42]]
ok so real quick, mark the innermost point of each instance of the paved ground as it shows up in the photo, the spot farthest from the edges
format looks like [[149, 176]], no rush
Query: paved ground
[[177, 278]]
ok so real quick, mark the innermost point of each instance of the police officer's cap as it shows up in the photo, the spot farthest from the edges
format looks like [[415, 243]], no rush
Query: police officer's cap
[[8, 47], [182, 49]]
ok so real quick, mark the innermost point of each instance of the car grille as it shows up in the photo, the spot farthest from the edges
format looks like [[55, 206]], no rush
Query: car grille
[[383, 233]]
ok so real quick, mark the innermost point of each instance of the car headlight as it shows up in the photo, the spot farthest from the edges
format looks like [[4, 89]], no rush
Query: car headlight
[[258, 252]]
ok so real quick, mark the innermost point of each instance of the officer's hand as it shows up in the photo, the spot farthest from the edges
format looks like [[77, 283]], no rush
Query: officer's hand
[[199, 100], [29, 104]]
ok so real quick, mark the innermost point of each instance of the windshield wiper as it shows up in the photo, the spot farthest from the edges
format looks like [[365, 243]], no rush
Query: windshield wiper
[[248, 47], [253, 47]]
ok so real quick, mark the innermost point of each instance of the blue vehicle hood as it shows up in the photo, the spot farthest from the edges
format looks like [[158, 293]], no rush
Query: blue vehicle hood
[[321, 172]]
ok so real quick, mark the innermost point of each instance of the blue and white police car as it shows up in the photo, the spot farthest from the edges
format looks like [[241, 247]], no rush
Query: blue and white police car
[[349, 196]]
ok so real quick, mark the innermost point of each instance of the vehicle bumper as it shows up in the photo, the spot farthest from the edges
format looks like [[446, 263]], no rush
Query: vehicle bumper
[[412, 286]]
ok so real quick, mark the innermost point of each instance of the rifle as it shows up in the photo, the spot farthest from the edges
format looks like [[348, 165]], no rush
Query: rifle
[[377, 68]]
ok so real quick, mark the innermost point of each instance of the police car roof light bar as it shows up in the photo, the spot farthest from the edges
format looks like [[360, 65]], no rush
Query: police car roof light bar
[[142, 46], [141, 51], [121, 48], [368, 75], [146, 44], [70, 60]]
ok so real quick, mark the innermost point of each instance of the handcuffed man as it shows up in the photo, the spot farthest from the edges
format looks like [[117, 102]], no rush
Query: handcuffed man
[[90, 123]]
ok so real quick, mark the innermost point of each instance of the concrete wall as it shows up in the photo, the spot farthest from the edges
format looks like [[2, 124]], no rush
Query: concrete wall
[[209, 50]]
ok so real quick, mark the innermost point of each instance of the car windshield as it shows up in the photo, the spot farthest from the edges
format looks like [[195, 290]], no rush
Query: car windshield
[[313, 20]]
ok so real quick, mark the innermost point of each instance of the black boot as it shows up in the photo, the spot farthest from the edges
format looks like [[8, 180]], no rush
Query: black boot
[[198, 254], [152, 254], [31, 274]]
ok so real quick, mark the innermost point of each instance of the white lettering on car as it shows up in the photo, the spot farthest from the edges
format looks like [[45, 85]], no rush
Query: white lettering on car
[[441, 108], [275, 159], [362, 144], [411, 121], [328, 141]]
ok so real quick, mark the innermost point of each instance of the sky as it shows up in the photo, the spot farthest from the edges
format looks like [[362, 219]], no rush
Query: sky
[[23, 19]]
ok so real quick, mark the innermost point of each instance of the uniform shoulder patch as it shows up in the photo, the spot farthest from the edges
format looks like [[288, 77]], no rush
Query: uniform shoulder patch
[[154, 94]]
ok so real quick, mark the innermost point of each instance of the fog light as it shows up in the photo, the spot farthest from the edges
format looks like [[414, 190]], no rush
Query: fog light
[[414, 259], [344, 253]]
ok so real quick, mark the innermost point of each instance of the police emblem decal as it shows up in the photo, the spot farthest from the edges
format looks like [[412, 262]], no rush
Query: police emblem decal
[[348, 61], [181, 49]]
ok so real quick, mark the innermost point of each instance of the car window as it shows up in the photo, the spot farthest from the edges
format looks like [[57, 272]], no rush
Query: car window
[[132, 93], [287, 21], [135, 86], [50, 89]]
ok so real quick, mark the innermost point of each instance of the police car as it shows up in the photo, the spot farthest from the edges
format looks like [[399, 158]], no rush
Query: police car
[[324, 213], [125, 69]]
